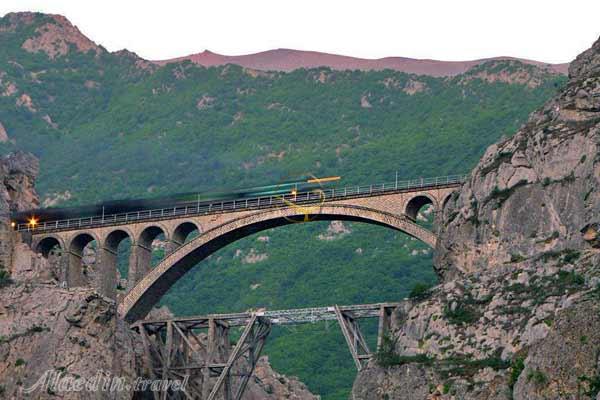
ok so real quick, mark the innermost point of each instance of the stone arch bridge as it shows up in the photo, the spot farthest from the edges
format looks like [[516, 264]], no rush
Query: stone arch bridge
[[218, 224]]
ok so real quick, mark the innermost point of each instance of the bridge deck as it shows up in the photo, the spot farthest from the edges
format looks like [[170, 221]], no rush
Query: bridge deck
[[194, 209], [276, 317]]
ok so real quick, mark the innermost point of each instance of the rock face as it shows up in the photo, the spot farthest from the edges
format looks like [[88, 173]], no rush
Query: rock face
[[18, 172], [73, 333], [473, 331], [535, 192], [3, 134], [517, 315], [17, 178], [45, 329], [268, 384], [55, 37]]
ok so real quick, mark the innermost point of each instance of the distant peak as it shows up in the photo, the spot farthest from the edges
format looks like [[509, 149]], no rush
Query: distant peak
[[284, 59]]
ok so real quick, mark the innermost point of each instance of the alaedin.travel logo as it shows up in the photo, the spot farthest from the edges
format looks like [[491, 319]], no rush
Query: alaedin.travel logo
[[56, 381]]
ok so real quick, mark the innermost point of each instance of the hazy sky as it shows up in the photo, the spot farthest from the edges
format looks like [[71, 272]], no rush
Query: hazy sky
[[544, 30]]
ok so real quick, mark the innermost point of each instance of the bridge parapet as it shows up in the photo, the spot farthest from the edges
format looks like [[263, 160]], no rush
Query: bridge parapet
[[256, 203]]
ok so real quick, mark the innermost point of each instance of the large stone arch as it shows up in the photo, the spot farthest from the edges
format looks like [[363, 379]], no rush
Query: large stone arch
[[141, 298]]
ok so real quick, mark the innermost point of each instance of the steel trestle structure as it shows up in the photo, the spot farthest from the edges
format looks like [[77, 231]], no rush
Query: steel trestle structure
[[199, 347]]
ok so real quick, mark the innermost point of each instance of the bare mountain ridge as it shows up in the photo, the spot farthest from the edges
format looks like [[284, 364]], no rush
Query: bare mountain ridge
[[55, 36], [287, 60]]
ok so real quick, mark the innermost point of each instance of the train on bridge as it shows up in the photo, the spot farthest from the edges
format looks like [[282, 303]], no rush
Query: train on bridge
[[32, 218]]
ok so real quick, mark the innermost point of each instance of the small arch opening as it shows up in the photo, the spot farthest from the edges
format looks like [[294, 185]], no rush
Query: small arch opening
[[49, 246], [118, 243], [154, 239], [184, 233], [419, 209], [51, 249], [83, 255]]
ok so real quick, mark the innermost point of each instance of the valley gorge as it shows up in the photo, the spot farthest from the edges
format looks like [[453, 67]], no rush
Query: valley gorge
[[515, 313]]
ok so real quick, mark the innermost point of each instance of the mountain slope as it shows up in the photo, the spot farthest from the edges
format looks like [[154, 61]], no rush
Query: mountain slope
[[112, 125]]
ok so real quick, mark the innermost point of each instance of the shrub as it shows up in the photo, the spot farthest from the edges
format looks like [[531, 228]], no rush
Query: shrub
[[567, 256], [462, 314], [4, 277], [538, 377], [467, 367], [19, 362], [517, 258], [387, 356], [447, 387], [420, 291], [593, 385], [570, 256], [547, 181], [595, 294], [570, 278], [517, 367], [501, 195]]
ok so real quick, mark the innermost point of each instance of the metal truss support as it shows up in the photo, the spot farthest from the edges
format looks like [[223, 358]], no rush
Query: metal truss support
[[354, 338], [198, 348], [174, 351], [250, 344]]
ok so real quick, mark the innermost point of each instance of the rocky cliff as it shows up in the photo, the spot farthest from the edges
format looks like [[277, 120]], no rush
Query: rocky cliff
[[535, 192], [17, 177], [48, 332], [44, 328], [517, 315]]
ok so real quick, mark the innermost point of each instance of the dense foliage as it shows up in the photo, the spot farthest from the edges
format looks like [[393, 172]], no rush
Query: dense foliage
[[108, 125]]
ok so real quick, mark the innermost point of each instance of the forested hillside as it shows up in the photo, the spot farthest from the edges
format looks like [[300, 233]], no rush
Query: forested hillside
[[111, 125]]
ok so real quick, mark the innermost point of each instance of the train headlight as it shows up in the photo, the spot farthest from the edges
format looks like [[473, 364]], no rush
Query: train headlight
[[32, 222]]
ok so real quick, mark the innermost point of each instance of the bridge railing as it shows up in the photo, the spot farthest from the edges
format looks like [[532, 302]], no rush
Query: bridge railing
[[284, 317], [196, 208]]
